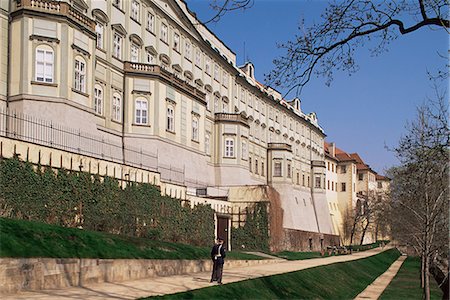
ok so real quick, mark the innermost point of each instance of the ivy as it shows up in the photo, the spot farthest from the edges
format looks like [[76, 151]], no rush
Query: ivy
[[80, 199], [254, 235]]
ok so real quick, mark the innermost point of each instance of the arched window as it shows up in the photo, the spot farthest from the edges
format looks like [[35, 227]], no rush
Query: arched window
[[216, 103], [229, 147], [141, 116], [195, 129], [80, 74], [100, 31], [44, 64], [116, 107], [170, 119], [98, 99]]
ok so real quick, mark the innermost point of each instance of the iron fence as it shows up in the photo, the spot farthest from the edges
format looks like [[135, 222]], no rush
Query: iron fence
[[31, 129]]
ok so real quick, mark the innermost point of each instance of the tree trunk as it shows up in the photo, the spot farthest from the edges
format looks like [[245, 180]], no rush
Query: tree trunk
[[364, 232], [422, 271], [427, 278], [352, 232]]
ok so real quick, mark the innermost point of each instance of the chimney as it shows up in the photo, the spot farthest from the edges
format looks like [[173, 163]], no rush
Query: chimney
[[333, 149]]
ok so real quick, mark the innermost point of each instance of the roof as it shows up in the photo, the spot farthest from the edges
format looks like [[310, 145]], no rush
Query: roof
[[360, 165], [340, 155], [381, 177]]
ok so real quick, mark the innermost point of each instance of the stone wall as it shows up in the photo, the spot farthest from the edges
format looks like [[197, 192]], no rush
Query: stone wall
[[297, 240], [53, 273]]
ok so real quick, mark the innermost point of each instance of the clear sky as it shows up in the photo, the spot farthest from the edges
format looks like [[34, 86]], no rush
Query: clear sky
[[361, 113]]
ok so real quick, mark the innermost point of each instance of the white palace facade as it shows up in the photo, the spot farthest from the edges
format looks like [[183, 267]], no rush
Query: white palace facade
[[163, 93]]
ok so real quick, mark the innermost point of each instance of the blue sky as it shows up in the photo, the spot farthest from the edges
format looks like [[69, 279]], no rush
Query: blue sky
[[361, 113]]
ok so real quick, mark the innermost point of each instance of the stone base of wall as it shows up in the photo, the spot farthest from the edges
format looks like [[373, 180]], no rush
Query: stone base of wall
[[297, 240], [48, 273]]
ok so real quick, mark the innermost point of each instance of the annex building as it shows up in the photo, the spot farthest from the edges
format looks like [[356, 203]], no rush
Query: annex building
[[141, 90]]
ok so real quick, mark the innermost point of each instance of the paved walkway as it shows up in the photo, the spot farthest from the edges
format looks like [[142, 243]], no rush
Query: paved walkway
[[374, 290], [180, 283]]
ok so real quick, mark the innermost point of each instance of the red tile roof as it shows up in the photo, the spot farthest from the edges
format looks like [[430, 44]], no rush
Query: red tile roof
[[381, 177]]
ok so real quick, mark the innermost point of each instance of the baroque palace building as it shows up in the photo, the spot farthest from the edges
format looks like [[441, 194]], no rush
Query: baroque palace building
[[144, 83]]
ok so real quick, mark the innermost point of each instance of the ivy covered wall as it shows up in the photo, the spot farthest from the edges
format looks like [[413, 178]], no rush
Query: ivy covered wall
[[254, 235], [79, 199]]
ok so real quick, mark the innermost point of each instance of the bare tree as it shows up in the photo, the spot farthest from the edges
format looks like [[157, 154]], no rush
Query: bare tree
[[346, 26], [420, 186], [222, 7]]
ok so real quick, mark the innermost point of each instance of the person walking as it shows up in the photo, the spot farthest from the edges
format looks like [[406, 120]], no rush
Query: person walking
[[218, 257]]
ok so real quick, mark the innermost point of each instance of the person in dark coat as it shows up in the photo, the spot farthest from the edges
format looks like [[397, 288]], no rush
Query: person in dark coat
[[218, 257]]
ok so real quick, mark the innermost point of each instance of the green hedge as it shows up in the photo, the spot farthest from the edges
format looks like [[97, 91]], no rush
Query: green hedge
[[79, 199], [254, 235]]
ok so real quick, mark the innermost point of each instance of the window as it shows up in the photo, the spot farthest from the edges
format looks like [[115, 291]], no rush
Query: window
[[150, 22], [80, 75], [289, 170], [250, 164], [198, 58], [207, 149], [262, 169], [134, 53], [195, 129], [298, 178], [244, 152], [328, 166], [44, 64], [98, 99], [328, 184], [317, 183], [224, 106], [380, 185], [229, 147], [225, 79], [117, 3], [216, 72], [116, 107], [242, 95], [277, 169], [250, 100], [151, 58], [117, 47], [208, 65], [99, 29], [332, 185], [135, 10], [309, 185], [208, 100], [343, 169], [187, 50], [360, 176], [216, 104], [164, 33], [256, 167], [176, 42], [170, 119], [303, 180], [141, 116], [343, 187]]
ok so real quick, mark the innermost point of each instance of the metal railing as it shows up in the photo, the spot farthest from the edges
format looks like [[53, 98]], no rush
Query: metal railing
[[30, 129]]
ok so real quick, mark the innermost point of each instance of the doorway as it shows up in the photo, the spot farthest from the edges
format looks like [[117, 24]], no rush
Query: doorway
[[222, 229]]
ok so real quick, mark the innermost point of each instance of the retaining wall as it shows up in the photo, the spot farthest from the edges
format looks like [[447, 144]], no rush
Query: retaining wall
[[23, 274]]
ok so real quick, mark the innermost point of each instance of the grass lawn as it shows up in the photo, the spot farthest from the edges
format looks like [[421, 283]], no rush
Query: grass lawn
[[20, 238], [298, 255], [336, 281], [406, 284]]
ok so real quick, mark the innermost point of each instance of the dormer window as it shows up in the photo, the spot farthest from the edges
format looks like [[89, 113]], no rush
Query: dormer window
[[251, 71]]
